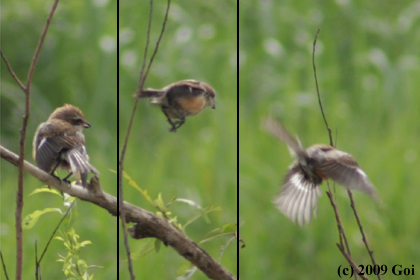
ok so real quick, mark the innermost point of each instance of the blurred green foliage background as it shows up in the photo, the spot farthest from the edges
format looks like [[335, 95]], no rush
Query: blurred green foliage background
[[77, 65], [199, 161], [368, 70]]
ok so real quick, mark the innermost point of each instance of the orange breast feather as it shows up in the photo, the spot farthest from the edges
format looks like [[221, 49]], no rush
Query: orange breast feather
[[192, 105]]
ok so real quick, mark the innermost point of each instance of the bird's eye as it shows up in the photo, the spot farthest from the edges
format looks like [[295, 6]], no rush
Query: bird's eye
[[78, 121]]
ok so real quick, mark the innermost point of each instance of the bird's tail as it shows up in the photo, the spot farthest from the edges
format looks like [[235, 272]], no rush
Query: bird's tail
[[276, 129], [151, 93]]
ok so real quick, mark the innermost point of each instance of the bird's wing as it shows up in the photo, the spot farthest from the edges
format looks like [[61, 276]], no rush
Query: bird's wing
[[188, 89], [47, 154], [192, 84], [49, 145], [298, 200], [68, 144], [343, 169]]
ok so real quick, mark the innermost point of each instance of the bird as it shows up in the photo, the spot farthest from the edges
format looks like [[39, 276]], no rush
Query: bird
[[298, 199], [60, 143], [181, 99]]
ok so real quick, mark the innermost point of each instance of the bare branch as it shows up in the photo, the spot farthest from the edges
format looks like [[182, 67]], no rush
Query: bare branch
[[157, 45], [353, 206], [9, 67], [153, 226], [342, 235], [148, 224], [39, 46], [341, 232], [93, 193], [4, 266], [19, 193], [146, 49], [317, 88], [142, 79], [351, 262]]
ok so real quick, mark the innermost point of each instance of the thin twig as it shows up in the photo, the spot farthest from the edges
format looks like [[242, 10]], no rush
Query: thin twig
[[130, 124], [158, 42], [317, 87], [4, 265], [342, 235], [120, 175], [143, 76], [351, 262], [9, 67], [353, 206], [39, 46], [55, 230], [38, 262], [341, 232], [19, 194], [146, 49]]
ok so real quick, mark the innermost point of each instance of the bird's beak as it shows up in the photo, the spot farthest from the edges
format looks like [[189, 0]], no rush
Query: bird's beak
[[86, 125]]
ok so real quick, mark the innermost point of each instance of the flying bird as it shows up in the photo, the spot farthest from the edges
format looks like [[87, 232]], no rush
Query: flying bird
[[298, 199], [181, 99]]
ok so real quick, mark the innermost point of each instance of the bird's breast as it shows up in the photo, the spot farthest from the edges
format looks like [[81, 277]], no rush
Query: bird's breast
[[191, 105]]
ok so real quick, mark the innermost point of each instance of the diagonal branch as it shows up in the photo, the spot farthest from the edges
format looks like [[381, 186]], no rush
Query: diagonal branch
[[9, 67], [151, 225], [39, 46], [351, 262], [156, 48], [365, 241], [147, 223], [93, 193]]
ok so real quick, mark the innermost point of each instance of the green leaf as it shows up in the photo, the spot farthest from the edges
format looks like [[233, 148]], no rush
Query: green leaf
[[45, 190], [30, 220], [158, 244]]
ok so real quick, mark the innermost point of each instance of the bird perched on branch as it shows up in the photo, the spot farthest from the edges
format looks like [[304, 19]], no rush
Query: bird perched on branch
[[60, 143], [298, 200], [181, 99]]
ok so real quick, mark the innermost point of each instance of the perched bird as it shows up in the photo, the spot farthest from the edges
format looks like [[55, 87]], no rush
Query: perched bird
[[181, 99], [298, 199], [59, 143]]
